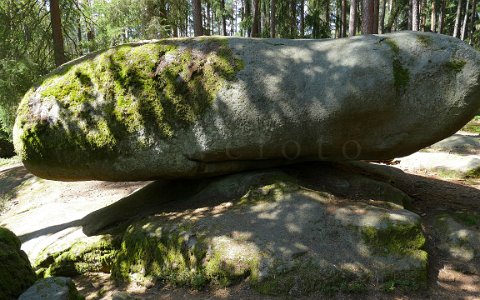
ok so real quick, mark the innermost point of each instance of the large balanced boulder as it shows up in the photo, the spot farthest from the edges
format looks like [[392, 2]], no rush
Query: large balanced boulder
[[16, 273], [202, 107]]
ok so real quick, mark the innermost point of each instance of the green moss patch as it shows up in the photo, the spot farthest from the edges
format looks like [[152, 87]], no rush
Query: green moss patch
[[80, 258], [128, 93], [456, 65], [424, 40], [308, 276], [396, 239], [400, 240], [401, 75], [270, 192], [467, 218], [166, 253]]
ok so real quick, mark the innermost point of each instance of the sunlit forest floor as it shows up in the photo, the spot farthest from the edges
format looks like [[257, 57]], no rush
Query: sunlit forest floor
[[434, 192]]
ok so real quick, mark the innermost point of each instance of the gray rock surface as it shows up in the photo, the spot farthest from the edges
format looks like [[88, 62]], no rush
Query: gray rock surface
[[369, 97], [52, 288], [460, 239]]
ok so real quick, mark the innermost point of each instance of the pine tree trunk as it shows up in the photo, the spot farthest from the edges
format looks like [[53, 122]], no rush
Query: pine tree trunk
[[456, 29], [353, 17], [343, 32], [327, 18], [368, 17], [224, 20], [197, 18], [57, 34], [472, 20], [441, 19], [273, 18], [433, 17], [302, 18], [208, 27], [256, 19], [423, 17], [248, 13], [79, 36], [382, 16], [376, 12], [465, 22], [415, 16]]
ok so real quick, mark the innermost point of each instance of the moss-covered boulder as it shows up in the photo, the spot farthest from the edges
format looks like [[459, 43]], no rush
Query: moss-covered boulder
[[284, 238], [16, 273], [200, 107], [91, 254]]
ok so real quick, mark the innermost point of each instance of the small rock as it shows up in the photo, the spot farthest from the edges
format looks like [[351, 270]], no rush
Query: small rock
[[52, 288]]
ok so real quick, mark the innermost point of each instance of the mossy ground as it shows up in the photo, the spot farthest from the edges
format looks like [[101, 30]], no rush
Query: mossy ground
[[473, 126], [129, 92]]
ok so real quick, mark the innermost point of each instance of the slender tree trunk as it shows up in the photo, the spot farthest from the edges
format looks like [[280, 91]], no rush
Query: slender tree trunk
[[79, 36], [197, 18], [224, 18], [423, 17], [58, 47], [208, 21], [392, 16], [368, 17], [433, 17], [247, 15], [472, 20], [302, 18], [343, 31], [256, 19], [353, 17], [382, 16], [327, 18], [441, 19], [456, 29], [273, 18], [265, 19], [293, 18], [415, 16], [465, 22], [376, 12]]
